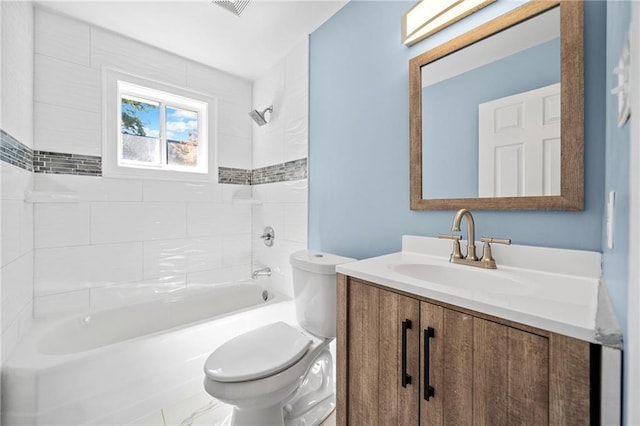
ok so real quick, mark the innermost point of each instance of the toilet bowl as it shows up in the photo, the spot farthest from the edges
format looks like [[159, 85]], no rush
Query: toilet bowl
[[282, 374]]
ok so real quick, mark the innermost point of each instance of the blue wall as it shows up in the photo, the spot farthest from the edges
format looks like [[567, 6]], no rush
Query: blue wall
[[615, 261], [455, 139], [615, 265], [359, 140]]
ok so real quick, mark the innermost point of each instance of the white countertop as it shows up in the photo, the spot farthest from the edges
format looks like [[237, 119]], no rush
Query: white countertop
[[553, 289]]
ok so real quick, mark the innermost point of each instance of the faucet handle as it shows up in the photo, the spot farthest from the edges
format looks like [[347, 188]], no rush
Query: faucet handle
[[487, 258], [450, 237], [457, 253], [488, 240]]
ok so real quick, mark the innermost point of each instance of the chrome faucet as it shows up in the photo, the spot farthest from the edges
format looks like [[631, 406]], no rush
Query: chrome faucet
[[261, 272], [487, 261]]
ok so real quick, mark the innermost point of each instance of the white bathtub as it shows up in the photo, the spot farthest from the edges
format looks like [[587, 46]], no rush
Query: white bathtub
[[110, 367]]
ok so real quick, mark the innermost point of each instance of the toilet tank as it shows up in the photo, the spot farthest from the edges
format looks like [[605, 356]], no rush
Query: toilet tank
[[314, 290]]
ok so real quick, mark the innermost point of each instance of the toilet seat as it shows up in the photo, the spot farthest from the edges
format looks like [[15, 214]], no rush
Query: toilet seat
[[256, 354]]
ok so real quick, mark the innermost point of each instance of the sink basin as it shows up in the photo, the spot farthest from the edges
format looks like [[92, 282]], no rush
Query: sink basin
[[488, 281]]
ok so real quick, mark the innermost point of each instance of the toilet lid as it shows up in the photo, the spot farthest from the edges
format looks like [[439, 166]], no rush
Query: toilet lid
[[256, 354]]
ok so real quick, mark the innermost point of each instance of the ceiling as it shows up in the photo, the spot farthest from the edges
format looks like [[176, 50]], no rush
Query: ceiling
[[246, 45]]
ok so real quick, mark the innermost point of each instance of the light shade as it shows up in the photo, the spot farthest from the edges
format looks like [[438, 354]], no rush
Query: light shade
[[430, 16]]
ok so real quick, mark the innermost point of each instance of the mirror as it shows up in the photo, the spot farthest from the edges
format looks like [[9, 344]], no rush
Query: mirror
[[496, 114]]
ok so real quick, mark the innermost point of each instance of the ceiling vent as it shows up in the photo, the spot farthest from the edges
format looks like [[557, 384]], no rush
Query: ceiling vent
[[234, 6]]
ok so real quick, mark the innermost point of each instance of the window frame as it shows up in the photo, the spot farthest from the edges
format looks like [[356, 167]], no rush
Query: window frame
[[115, 84]]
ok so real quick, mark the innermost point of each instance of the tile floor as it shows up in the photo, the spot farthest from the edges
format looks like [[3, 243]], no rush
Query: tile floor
[[198, 410]]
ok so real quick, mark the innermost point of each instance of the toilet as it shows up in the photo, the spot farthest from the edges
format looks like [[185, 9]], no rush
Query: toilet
[[282, 374]]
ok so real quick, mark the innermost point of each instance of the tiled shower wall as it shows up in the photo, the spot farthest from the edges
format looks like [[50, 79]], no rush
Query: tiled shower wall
[[133, 238], [16, 120], [108, 239], [282, 205]]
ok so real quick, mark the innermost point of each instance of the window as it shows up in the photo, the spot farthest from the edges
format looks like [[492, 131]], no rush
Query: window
[[156, 130], [160, 130]]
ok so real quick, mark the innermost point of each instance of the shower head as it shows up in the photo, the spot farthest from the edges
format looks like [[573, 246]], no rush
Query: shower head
[[259, 117]]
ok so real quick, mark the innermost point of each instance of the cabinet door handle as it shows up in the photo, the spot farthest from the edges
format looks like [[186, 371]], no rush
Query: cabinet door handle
[[406, 379], [429, 391]]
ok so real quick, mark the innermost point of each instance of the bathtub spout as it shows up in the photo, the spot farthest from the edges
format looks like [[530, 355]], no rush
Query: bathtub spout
[[261, 272]]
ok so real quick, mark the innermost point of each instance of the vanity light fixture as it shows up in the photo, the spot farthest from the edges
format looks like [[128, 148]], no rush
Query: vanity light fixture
[[234, 6], [427, 17]]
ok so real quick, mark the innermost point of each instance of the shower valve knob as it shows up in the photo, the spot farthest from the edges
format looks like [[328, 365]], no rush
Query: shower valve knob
[[268, 235]]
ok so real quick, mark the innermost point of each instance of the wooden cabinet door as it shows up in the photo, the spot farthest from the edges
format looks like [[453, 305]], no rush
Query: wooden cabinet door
[[510, 376], [482, 372], [449, 370], [374, 391]]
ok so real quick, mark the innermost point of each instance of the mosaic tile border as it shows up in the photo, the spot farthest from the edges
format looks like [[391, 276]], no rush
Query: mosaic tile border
[[283, 172], [14, 152], [68, 164], [234, 176]]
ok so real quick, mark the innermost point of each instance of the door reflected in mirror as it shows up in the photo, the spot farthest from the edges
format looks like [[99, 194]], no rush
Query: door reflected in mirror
[[496, 104], [496, 114]]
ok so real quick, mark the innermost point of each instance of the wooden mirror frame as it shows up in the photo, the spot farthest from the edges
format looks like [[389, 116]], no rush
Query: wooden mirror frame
[[572, 112]]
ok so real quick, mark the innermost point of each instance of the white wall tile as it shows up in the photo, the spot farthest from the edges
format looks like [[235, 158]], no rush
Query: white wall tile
[[285, 138], [14, 181], [110, 49], [141, 291], [62, 129], [61, 224], [269, 88], [66, 84], [10, 236], [282, 192], [16, 116], [89, 188], [205, 254], [73, 268], [181, 256], [237, 250], [156, 190], [238, 194], [209, 80], [165, 258], [118, 222], [206, 219], [218, 276], [26, 317], [268, 145], [234, 151], [296, 139], [26, 229], [233, 119], [17, 288], [171, 257], [16, 232], [10, 339], [62, 303], [297, 66], [17, 79], [268, 214], [62, 38], [295, 104], [295, 219]]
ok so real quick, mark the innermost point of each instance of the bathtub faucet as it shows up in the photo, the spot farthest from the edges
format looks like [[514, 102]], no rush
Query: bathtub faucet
[[261, 272]]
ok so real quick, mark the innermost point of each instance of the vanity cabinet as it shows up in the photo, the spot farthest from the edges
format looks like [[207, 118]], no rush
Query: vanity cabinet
[[459, 367]]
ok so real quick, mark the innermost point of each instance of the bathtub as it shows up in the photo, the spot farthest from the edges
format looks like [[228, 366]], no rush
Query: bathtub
[[113, 366]]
